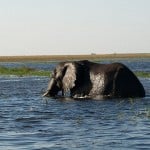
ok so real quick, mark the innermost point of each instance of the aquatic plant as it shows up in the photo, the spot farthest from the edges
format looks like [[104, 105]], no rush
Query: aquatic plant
[[143, 74], [23, 71], [27, 71]]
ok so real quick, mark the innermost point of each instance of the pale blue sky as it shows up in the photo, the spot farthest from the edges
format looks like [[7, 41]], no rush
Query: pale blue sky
[[45, 27]]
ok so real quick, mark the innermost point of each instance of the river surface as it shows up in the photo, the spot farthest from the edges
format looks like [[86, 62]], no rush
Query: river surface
[[30, 122]]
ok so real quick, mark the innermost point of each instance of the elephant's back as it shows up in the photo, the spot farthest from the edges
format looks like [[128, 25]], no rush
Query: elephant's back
[[104, 68], [115, 79]]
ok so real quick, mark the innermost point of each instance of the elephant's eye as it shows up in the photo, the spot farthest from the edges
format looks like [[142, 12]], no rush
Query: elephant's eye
[[58, 79]]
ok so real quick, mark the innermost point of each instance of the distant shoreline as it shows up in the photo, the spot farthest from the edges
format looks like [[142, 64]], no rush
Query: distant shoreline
[[71, 57]]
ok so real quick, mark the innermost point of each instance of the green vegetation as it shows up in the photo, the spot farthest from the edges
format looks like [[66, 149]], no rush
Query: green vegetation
[[23, 71], [143, 74], [27, 71]]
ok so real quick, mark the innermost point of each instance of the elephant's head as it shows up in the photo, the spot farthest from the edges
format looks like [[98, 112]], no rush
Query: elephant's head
[[62, 79]]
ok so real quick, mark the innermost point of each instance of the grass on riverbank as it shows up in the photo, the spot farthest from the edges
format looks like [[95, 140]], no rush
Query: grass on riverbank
[[142, 74], [27, 71], [23, 71]]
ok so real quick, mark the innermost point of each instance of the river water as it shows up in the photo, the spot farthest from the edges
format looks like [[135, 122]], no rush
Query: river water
[[29, 121]]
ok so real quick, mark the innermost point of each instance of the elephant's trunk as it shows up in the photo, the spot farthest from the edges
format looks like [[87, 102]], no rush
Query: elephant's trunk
[[52, 89], [62, 92]]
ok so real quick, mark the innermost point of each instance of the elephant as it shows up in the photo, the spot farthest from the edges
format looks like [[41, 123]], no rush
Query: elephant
[[86, 79]]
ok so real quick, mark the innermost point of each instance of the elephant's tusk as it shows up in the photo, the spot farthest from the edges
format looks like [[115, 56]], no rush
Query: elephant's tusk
[[45, 94]]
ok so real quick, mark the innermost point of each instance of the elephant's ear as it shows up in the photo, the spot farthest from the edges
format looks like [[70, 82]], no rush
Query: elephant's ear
[[69, 77]]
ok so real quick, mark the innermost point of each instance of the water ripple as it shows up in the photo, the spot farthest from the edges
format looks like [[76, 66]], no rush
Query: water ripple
[[29, 121]]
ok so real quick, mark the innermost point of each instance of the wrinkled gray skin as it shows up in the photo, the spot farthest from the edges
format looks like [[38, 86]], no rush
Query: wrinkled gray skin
[[88, 79]]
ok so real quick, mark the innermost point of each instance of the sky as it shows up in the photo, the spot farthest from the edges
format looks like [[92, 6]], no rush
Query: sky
[[56, 27]]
